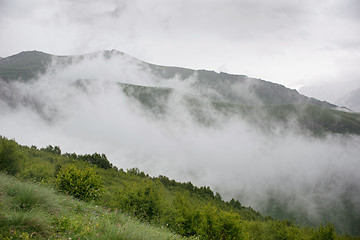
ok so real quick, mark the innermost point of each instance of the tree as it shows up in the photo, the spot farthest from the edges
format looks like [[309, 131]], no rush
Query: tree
[[56, 150]]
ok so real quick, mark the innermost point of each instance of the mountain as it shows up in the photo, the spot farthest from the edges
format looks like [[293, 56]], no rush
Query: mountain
[[27, 65], [351, 100], [228, 95], [264, 144], [24, 65]]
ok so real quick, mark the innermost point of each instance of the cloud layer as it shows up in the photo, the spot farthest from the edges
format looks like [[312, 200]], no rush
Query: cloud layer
[[82, 109]]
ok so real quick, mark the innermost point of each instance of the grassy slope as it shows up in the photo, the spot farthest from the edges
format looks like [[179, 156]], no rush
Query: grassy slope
[[34, 209], [30, 210]]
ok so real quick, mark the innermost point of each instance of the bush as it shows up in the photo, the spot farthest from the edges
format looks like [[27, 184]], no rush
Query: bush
[[324, 233], [182, 217], [8, 159], [217, 224], [82, 184], [142, 199]]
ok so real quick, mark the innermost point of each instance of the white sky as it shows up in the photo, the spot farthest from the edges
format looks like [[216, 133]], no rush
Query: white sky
[[295, 43]]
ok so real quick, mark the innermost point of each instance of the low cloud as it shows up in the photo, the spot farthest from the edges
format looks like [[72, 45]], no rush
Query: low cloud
[[82, 108]]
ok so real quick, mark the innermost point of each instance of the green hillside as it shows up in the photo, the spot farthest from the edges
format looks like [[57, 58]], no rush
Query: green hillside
[[259, 102], [38, 203], [24, 66], [317, 120], [229, 88], [35, 211]]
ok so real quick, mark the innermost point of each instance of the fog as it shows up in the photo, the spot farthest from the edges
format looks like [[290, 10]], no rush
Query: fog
[[82, 109]]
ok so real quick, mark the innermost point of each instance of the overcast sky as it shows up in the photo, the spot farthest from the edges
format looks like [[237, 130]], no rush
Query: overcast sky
[[294, 43]]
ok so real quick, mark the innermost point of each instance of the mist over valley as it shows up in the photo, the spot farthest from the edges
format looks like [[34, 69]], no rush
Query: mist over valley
[[268, 146]]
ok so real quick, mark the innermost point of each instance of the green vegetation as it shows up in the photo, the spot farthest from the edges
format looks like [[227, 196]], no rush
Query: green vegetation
[[81, 184], [119, 204], [308, 117], [34, 211], [8, 156], [314, 119]]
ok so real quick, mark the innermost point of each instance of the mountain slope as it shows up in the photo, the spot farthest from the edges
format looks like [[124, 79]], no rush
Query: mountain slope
[[232, 88], [25, 65], [34, 210], [224, 94], [317, 119], [229, 88]]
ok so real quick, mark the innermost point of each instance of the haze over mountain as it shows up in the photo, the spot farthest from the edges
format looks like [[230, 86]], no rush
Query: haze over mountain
[[27, 65], [331, 91], [351, 99], [270, 147]]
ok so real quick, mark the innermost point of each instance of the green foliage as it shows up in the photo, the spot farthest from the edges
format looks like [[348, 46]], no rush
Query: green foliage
[[56, 216], [137, 172], [82, 184], [142, 199], [182, 216], [283, 231], [100, 160], [205, 192], [50, 149], [96, 159], [8, 156], [215, 224], [324, 233]]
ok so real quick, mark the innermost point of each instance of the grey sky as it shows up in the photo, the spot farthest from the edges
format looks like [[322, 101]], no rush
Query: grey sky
[[294, 43]]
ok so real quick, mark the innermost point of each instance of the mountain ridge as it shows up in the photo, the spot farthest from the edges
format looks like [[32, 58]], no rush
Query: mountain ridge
[[227, 95], [28, 64]]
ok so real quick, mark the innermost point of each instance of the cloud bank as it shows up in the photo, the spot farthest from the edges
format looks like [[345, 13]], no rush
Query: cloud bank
[[82, 109]]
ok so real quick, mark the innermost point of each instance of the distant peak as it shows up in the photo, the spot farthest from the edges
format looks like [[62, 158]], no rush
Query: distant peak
[[110, 53], [31, 53]]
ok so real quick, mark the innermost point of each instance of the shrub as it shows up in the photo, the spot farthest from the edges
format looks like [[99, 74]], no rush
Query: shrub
[[82, 184], [324, 233], [217, 224], [8, 159], [143, 199], [182, 217]]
